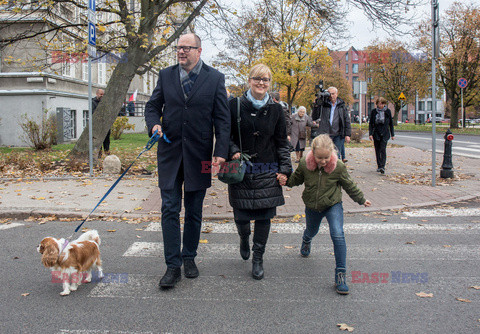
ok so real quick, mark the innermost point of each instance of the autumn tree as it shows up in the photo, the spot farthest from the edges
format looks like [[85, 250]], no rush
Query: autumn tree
[[289, 36], [141, 33], [459, 55], [394, 70]]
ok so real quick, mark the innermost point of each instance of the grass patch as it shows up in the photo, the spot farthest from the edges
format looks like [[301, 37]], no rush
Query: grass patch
[[27, 162]]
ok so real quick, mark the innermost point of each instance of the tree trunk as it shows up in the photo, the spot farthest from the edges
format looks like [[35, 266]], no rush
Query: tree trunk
[[108, 108], [454, 109], [395, 115]]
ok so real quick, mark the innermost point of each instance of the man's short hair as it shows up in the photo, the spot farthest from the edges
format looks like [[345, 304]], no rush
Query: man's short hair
[[275, 95], [336, 90]]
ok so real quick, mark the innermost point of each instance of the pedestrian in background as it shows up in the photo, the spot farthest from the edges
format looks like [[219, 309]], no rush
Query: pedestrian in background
[[286, 110], [332, 116], [298, 133], [187, 107], [106, 142], [380, 130], [324, 177], [264, 137]]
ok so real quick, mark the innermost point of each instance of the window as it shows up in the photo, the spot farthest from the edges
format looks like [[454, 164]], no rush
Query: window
[[421, 105], [346, 77], [85, 118], [68, 67], [102, 72], [429, 105], [355, 107], [346, 68], [85, 71], [346, 56], [354, 68]]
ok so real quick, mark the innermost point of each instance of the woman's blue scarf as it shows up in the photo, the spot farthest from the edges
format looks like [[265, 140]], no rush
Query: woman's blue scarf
[[257, 104]]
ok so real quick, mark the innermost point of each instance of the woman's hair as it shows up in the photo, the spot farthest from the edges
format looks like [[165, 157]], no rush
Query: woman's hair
[[323, 142], [302, 108], [260, 70], [381, 100]]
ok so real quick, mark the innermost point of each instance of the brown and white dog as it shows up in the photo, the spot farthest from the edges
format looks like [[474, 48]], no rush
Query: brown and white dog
[[74, 265]]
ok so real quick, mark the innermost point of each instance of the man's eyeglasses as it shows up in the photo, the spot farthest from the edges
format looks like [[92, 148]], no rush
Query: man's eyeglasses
[[257, 80], [185, 49]]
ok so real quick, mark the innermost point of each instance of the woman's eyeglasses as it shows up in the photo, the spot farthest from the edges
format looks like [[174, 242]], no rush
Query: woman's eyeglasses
[[185, 49], [257, 80]]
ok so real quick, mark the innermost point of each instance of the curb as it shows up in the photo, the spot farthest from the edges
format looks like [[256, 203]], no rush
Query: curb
[[24, 214]]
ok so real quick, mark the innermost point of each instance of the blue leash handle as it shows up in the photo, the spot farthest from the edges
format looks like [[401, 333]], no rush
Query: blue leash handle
[[155, 137]]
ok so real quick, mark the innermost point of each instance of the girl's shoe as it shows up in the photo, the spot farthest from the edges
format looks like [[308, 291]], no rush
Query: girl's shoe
[[305, 249], [341, 281]]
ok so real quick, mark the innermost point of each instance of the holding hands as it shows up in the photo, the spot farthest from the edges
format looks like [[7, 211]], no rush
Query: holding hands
[[367, 203], [282, 179]]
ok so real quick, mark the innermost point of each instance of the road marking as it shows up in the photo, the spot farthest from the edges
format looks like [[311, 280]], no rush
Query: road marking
[[444, 213], [311, 289], [93, 331], [437, 138], [292, 251], [350, 228], [11, 225], [465, 149]]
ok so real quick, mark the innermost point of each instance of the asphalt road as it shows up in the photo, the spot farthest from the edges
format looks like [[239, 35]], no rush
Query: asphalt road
[[437, 255], [463, 145]]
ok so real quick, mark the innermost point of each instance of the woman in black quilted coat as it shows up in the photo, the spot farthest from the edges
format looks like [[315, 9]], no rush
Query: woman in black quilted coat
[[264, 138]]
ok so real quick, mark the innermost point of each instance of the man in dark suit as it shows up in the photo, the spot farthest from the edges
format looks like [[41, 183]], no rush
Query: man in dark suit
[[188, 105]]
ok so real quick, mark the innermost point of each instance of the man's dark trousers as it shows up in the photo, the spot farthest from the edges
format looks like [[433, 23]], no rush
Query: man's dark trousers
[[171, 206]]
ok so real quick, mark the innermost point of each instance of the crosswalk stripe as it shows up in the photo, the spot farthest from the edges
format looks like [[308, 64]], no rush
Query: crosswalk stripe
[[93, 331], [444, 213], [11, 225], [350, 228], [312, 289], [282, 251]]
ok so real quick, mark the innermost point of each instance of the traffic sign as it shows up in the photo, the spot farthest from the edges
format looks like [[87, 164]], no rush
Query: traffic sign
[[402, 97], [462, 82], [91, 5], [92, 38]]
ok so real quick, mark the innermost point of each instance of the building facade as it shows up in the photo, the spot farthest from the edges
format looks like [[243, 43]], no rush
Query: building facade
[[35, 80], [353, 63]]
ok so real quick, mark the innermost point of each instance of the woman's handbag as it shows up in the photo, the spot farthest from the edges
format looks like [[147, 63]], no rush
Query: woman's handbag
[[233, 171]]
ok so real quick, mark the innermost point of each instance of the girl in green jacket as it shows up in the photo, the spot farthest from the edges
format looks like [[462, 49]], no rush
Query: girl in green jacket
[[324, 177]]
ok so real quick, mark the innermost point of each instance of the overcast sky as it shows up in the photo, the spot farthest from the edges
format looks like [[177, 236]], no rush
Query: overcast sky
[[360, 29]]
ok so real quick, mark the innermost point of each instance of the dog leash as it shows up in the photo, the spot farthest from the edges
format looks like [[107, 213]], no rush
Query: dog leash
[[155, 137]]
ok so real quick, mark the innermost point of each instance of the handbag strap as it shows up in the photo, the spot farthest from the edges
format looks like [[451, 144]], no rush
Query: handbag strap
[[238, 124]]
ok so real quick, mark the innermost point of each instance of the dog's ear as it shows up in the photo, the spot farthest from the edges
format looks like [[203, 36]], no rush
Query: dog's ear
[[50, 253]]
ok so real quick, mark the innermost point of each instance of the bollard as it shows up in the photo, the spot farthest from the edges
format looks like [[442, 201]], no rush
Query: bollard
[[447, 166]]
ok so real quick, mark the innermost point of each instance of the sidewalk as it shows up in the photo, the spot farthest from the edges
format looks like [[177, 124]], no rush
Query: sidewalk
[[407, 183]]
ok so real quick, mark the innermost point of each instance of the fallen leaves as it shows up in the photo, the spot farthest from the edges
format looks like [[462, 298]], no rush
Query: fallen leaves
[[476, 287], [203, 241], [345, 327], [424, 295], [410, 242], [25, 294], [463, 300]]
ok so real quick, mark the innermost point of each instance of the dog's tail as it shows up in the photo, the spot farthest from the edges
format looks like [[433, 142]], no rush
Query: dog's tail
[[91, 235]]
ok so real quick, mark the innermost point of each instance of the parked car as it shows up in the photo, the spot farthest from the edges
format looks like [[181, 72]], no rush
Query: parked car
[[437, 120]]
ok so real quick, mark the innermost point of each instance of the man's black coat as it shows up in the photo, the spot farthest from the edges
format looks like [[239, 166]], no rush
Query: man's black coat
[[189, 125]]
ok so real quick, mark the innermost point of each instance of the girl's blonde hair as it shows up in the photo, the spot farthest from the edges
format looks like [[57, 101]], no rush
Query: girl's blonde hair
[[323, 142], [260, 70]]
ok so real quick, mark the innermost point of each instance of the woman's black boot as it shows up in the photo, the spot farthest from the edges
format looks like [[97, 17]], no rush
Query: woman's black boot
[[260, 237], [244, 233]]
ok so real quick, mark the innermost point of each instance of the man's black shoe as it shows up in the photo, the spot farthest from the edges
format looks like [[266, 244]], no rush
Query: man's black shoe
[[172, 276], [191, 270]]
